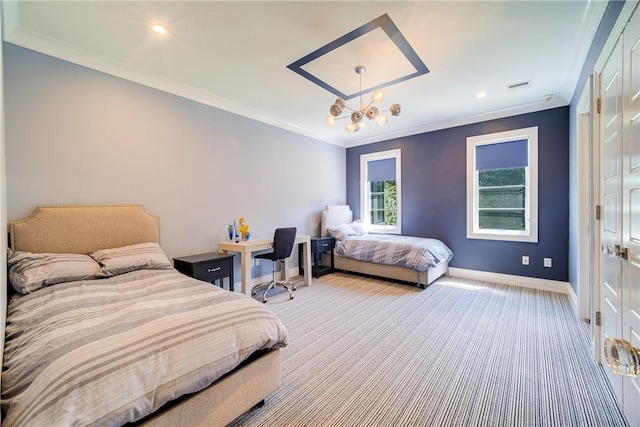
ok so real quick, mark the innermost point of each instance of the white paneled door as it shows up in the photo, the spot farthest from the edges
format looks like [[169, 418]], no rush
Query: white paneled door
[[630, 212], [610, 228], [620, 222]]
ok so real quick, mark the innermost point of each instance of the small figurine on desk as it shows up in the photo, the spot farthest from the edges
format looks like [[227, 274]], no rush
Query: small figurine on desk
[[244, 230], [231, 230]]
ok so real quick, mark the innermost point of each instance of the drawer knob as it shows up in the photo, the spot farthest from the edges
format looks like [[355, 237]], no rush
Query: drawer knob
[[325, 244], [211, 270]]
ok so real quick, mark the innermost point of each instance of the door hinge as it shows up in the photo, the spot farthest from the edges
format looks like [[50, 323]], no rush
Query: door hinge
[[598, 106], [598, 209], [598, 319]]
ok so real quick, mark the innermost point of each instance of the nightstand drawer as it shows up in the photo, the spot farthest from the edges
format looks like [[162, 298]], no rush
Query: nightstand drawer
[[210, 271], [322, 245]]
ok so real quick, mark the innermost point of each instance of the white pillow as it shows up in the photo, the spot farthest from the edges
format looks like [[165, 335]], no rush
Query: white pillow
[[358, 227], [143, 256], [341, 232]]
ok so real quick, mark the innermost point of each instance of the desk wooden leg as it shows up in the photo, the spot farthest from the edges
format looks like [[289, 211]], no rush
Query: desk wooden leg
[[231, 278], [305, 260], [245, 261], [306, 254]]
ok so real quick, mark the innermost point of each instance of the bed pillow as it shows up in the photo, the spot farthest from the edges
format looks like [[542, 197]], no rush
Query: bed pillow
[[143, 256], [29, 271], [358, 227], [341, 232]]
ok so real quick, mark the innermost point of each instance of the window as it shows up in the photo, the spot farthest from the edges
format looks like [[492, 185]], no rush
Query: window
[[380, 191], [502, 186]]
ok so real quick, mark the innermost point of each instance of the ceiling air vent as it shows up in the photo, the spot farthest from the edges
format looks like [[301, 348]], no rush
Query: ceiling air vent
[[520, 85]]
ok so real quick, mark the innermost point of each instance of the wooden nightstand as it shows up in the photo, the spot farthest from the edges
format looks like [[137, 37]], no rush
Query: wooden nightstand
[[207, 267], [319, 245]]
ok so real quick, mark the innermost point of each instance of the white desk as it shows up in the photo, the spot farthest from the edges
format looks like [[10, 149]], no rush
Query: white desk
[[246, 248]]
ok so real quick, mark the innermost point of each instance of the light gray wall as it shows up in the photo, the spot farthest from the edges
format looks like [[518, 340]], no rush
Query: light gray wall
[[77, 136]]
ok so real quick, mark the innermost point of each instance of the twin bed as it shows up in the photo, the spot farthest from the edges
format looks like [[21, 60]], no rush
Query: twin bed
[[103, 331], [408, 259]]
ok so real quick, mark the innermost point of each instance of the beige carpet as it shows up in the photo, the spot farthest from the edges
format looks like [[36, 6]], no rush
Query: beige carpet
[[367, 352]]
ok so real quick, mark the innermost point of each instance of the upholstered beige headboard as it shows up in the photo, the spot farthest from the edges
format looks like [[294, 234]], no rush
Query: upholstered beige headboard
[[81, 229], [334, 215]]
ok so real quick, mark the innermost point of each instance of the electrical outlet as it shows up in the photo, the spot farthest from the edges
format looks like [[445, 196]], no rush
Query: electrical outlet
[[547, 262], [525, 260]]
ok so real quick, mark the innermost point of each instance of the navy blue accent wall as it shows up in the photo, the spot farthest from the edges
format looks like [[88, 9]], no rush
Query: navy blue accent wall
[[434, 194]]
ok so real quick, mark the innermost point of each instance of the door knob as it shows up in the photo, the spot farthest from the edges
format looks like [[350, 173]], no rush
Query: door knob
[[618, 250], [622, 357]]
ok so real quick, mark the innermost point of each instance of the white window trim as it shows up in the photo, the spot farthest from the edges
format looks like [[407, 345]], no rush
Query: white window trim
[[364, 200], [531, 234]]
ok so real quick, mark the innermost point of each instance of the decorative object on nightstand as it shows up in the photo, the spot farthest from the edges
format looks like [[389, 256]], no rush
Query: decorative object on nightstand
[[208, 267], [319, 246]]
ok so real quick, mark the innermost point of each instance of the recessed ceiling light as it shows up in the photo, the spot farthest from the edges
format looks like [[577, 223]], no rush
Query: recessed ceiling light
[[159, 29], [482, 94]]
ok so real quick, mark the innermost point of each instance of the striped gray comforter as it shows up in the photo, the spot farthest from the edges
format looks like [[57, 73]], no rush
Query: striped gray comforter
[[417, 253], [110, 351]]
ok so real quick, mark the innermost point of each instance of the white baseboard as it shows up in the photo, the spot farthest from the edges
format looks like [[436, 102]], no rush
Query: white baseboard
[[522, 281]]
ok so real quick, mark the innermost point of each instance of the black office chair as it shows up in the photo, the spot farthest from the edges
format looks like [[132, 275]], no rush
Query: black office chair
[[283, 240]]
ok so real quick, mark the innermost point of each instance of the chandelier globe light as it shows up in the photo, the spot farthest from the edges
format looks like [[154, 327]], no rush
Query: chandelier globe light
[[368, 111]]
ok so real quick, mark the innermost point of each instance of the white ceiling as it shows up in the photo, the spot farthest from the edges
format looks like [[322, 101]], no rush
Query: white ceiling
[[234, 55]]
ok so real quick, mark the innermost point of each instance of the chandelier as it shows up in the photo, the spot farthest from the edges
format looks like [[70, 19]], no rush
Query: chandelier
[[369, 111]]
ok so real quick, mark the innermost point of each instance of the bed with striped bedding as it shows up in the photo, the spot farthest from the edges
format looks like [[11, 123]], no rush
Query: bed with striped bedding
[[411, 259], [111, 351], [416, 253]]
